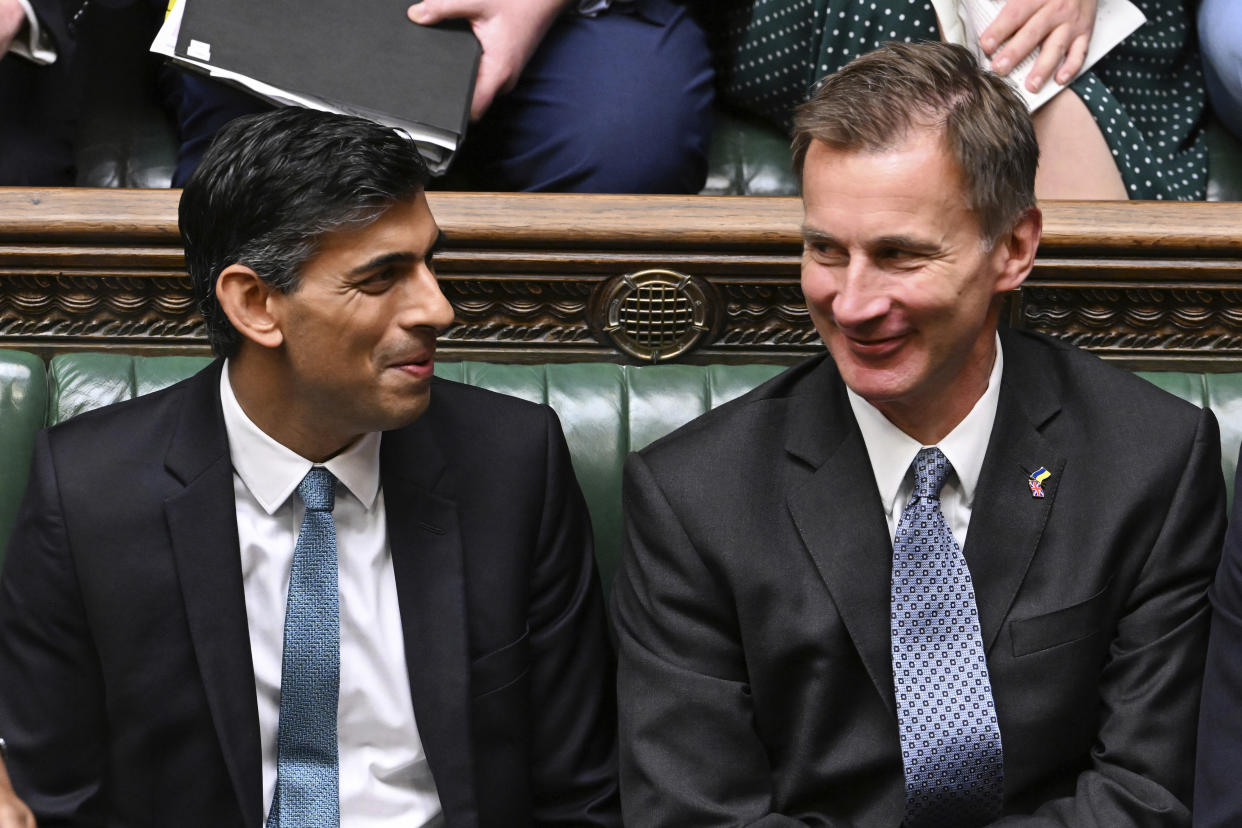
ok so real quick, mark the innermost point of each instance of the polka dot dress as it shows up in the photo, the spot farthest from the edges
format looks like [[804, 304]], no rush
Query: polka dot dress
[[1147, 95]]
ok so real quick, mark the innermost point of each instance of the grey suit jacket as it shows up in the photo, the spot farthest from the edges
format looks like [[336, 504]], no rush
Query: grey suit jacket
[[752, 604]]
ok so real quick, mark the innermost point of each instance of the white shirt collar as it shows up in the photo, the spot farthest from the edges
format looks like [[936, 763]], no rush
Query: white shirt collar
[[892, 450], [272, 471]]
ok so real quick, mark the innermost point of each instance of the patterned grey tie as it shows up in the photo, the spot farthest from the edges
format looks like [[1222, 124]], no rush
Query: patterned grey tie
[[307, 781], [950, 741]]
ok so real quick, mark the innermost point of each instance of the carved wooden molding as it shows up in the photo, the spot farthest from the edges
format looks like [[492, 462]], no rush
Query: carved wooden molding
[[1196, 320], [80, 307], [1142, 282]]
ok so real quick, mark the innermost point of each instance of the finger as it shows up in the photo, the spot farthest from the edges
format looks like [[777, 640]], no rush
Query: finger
[[9, 30], [16, 816], [433, 11], [487, 85], [482, 101], [1074, 59], [1022, 43], [1012, 17], [1051, 54]]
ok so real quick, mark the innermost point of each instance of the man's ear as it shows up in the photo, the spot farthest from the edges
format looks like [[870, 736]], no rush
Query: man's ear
[[244, 297], [1015, 250]]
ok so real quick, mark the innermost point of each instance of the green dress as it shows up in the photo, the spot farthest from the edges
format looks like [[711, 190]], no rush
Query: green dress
[[1147, 95]]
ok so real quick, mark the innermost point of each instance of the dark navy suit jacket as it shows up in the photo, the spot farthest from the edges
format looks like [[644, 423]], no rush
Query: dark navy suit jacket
[[126, 688], [1218, 780]]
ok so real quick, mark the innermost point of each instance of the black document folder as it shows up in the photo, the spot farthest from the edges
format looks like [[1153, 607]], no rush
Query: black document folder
[[366, 59]]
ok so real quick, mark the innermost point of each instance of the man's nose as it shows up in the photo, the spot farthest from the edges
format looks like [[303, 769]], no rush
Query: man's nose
[[860, 297], [425, 304]]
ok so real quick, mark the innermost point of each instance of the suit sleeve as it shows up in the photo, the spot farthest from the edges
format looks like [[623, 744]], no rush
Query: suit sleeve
[[51, 691], [575, 774], [689, 751], [1142, 764], [1218, 796]]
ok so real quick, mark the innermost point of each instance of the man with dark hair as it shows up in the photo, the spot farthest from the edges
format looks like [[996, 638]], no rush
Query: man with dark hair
[[311, 585], [941, 575]]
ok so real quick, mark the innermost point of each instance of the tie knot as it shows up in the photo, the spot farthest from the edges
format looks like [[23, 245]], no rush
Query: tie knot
[[931, 468], [318, 490]]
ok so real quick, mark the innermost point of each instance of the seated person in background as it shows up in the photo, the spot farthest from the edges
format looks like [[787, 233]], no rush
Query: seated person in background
[[40, 90], [46, 57], [940, 575], [619, 101], [1128, 128], [13, 812], [1220, 36], [178, 644]]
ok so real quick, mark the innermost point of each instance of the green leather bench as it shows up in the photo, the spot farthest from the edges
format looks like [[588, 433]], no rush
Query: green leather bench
[[606, 410]]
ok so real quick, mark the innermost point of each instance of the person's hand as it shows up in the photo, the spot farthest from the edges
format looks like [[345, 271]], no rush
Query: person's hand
[[1060, 29], [12, 19], [509, 31], [13, 812]]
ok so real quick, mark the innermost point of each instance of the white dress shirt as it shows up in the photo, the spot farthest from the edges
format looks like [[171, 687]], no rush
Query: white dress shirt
[[892, 451], [36, 46], [384, 776]]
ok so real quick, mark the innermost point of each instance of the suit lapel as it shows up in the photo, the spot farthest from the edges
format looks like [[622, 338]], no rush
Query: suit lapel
[[838, 514], [202, 524], [425, 539], [842, 523], [1007, 520]]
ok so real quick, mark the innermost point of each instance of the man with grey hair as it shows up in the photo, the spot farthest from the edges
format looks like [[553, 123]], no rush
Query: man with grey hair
[[941, 575]]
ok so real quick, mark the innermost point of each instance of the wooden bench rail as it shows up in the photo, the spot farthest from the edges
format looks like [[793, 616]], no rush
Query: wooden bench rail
[[543, 277]]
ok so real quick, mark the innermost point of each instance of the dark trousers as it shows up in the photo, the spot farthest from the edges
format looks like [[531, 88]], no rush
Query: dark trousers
[[41, 105], [38, 114]]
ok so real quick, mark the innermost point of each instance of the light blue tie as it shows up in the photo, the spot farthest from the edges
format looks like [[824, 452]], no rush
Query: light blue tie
[[950, 740], [307, 783]]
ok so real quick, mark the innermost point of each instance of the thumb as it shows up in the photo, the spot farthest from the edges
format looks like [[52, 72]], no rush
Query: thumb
[[487, 85], [428, 12]]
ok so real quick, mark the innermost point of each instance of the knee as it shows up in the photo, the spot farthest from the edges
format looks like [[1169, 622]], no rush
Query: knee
[[652, 132], [1220, 36], [202, 107], [657, 143], [618, 104]]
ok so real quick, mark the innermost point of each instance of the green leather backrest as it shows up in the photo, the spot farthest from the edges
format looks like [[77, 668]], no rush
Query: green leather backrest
[[606, 410], [23, 406], [1220, 392]]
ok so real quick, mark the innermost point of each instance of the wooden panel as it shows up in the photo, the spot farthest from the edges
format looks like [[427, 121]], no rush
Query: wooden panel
[[1147, 283]]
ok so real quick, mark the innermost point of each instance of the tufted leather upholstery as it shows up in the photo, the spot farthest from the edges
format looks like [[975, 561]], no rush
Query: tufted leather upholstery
[[606, 410], [23, 410]]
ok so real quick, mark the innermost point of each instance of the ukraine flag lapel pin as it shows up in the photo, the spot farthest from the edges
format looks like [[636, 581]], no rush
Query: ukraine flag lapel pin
[[1036, 481]]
